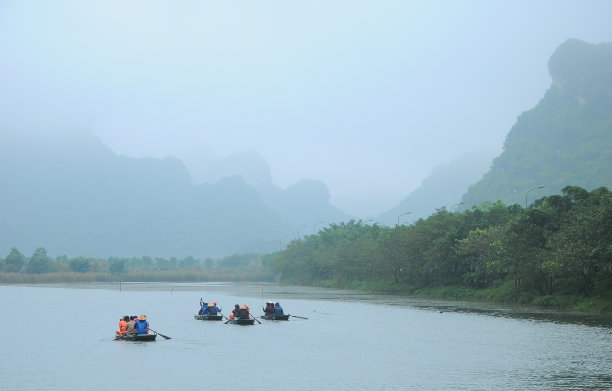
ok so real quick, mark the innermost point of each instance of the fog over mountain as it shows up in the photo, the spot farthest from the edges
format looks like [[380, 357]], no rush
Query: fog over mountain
[[71, 194], [442, 189], [365, 97]]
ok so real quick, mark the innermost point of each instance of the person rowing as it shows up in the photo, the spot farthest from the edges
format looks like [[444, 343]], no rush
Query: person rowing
[[278, 310], [243, 312], [142, 326], [204, 309], [213, 309], [269, 310]]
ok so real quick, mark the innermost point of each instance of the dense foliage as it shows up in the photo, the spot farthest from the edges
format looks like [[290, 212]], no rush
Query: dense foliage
[[560, 246]]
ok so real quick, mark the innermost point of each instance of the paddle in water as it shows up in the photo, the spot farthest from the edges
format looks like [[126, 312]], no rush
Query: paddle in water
[[295, 316], [157, 332]]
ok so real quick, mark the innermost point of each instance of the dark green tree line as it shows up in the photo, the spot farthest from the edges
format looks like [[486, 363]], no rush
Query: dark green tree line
[[561, 245]]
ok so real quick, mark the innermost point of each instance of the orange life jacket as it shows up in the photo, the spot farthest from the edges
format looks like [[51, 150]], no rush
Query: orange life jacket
[[122, 327]]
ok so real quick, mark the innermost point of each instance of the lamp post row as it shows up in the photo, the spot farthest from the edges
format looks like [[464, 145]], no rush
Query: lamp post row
[[314, 227], [398, 217], [533, 188]]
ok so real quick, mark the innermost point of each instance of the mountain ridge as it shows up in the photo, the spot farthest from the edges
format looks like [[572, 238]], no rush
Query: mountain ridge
[[566, 139]]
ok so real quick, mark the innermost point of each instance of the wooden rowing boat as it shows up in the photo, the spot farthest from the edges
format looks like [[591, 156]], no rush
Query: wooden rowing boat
[[208, 317], [275, 317], [136, 337], [242, 322]]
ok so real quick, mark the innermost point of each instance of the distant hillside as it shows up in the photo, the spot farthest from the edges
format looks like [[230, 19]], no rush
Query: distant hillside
[[565, 140], [305, 203], [442, 188], [71, 194]]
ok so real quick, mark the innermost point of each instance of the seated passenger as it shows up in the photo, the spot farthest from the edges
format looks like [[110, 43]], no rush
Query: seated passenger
[[213, 309], [131, 325], [278, 310], [235, 311], [142, 326], [243, 312], [269, 308], [204, 310], [123, 325]]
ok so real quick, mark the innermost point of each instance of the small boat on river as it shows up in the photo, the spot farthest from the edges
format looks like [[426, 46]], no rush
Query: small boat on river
[[275, 317], [136, 337], [242, 322], [273, 311], [208, 317]]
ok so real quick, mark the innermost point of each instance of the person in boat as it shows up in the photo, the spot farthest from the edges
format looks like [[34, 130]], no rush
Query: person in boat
[[243, 312], [278, 310], [131, 325], [123, 325], [269, 310], [204, 310], [142, 326], [213, 309], [234, 313]]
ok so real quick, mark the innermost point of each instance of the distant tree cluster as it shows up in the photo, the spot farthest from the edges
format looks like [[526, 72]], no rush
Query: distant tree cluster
[[562, 245], [142, 268]]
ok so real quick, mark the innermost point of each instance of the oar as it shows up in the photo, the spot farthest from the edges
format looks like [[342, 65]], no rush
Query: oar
[[301, 317], [255, 319], [157, 332], [224, 315]]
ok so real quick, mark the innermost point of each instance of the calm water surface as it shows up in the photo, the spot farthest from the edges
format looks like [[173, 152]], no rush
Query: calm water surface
[[61, 338]]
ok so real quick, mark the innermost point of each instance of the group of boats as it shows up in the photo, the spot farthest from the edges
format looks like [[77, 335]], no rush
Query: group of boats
[[241, 314], [237, 317], [240, 321]]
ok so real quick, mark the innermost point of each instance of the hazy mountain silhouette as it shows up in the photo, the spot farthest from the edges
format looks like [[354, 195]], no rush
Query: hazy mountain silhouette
[[442, 188], [305, 203], [71, 194], [565, 140]]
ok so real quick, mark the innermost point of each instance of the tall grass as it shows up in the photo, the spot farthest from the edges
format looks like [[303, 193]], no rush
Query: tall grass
[[137, 276]]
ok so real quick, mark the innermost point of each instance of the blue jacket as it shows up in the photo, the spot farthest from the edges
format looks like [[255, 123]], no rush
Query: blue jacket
[[204, 310], [142, 327], [278, 310], [213, 310]]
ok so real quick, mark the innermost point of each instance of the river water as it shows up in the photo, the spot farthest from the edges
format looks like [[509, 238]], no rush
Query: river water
[[61, 338]]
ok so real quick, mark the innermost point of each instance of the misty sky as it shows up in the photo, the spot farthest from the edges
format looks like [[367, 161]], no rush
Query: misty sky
[[367, 96]]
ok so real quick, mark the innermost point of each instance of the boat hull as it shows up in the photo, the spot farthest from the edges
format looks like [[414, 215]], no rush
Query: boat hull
[[208, 317], [242, 322], [136, 337], [275, 317]]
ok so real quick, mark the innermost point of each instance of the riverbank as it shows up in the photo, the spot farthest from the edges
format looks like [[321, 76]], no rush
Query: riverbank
[[134, 276], [502, 294]]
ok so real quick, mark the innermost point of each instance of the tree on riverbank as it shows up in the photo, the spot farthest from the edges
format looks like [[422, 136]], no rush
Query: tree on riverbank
[[561, 246]]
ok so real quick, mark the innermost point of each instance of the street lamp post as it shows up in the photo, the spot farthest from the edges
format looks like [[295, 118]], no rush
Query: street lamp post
[[533, 188], [398, 217]]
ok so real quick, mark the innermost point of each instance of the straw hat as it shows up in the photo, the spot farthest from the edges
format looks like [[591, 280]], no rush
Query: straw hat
[[243, 307], [142, 317]]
